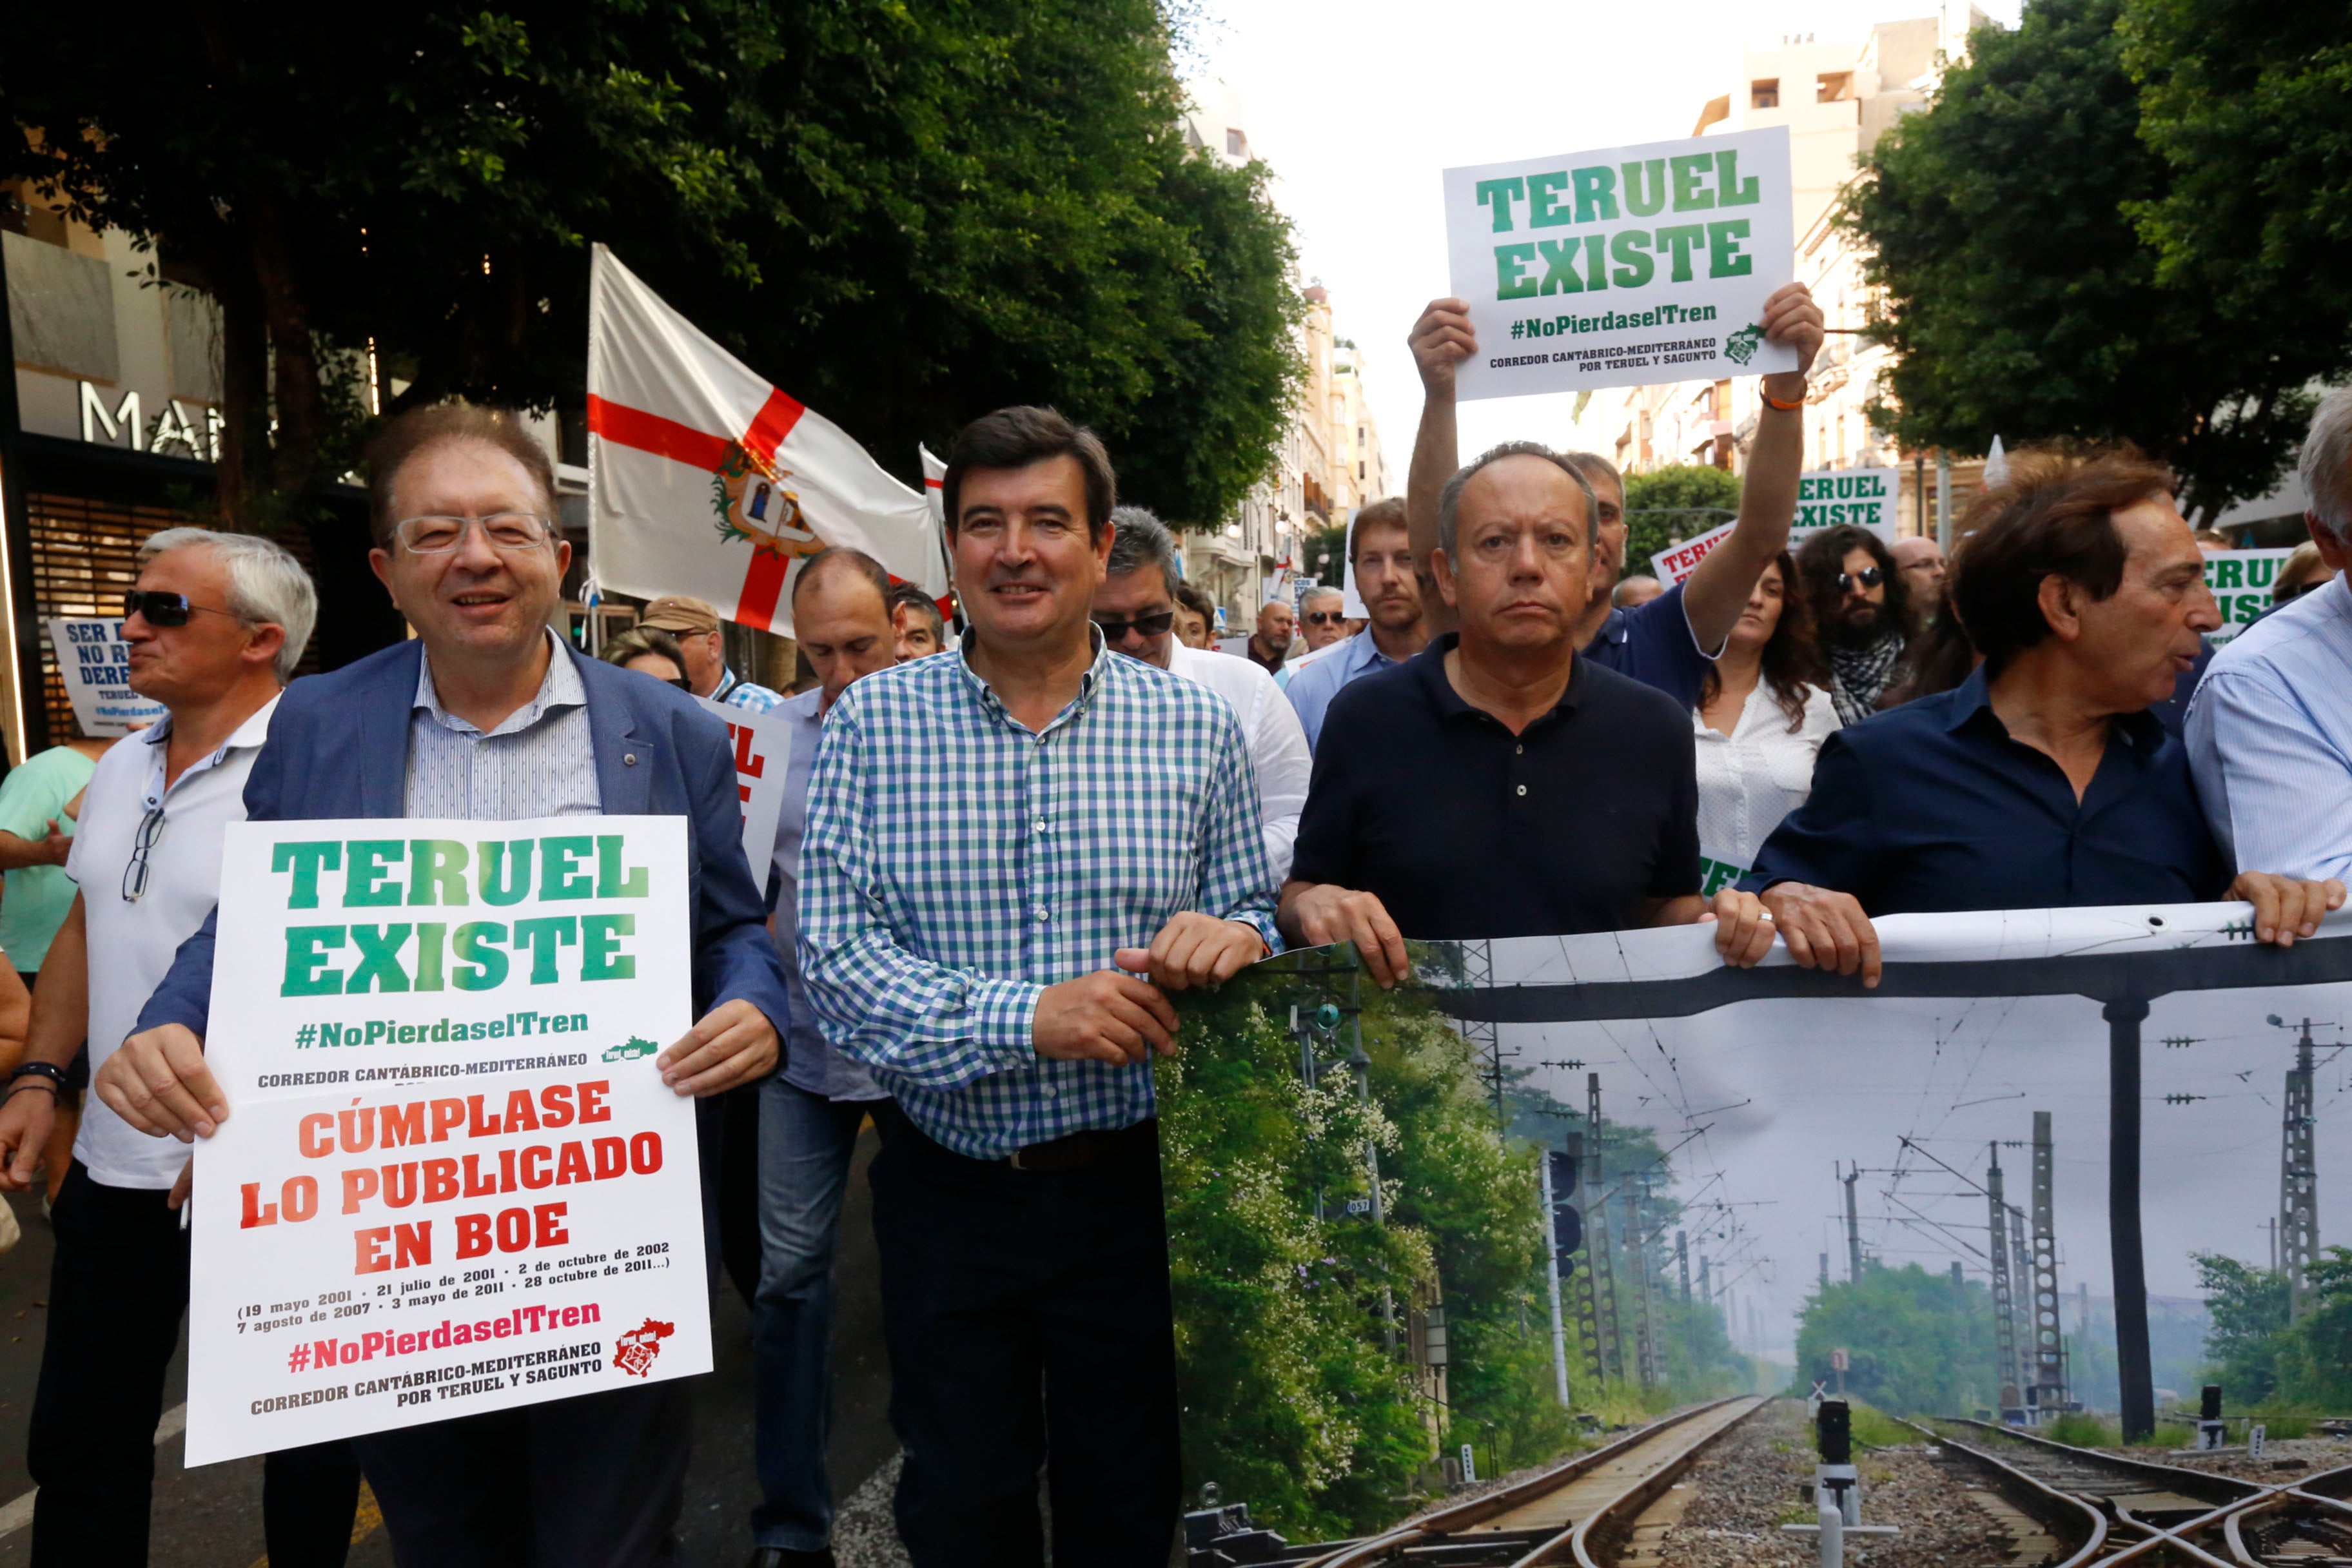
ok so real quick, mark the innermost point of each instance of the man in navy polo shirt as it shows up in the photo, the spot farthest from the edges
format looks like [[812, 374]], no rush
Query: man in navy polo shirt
[[1669, 642], [1499, 746]]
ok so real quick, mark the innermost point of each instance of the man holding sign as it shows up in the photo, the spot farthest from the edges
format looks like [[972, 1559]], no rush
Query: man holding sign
[[486, 716], [1669, 641]]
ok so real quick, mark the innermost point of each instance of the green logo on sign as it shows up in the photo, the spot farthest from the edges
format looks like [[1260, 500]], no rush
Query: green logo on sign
[[635, 1047], [1741, 346]]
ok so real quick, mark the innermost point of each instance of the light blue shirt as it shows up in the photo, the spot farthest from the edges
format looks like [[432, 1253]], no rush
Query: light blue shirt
[[809, 1062], [540, 762], [1313, 686], [956, 863], [737, 693], [2270, 740]]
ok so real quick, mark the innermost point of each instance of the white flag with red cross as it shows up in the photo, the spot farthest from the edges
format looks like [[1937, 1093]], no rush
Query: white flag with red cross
[[703, 480]]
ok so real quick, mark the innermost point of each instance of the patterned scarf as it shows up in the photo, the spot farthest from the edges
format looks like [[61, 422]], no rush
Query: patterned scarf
[[1862, 673]]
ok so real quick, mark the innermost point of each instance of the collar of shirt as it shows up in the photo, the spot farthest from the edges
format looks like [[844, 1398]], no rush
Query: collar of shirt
[[728, 681], [1104, 664], [561, 687], [1430, 667], [1972, 706], [252, 732]]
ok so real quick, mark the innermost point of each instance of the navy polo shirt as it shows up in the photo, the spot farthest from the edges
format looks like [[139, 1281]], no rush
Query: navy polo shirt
[[1931, 807], [1654, 645], [1463, 829]]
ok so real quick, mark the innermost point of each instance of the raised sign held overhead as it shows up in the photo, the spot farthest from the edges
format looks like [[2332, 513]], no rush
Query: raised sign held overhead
[[1622, 266]]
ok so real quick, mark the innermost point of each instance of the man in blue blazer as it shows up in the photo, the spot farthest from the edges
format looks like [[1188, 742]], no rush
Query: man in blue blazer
[[486, 715]]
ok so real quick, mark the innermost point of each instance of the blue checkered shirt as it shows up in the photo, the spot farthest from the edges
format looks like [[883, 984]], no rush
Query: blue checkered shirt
[[737, 693], [956, 864]]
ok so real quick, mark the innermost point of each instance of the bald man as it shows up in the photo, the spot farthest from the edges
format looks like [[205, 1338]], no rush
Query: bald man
[[1921, 561]]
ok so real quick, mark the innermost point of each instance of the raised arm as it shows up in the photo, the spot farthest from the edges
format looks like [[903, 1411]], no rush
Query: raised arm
[[1718, 589], [1441, 340]]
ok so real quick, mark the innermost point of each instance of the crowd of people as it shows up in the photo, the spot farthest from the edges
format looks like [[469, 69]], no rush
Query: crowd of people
[[1002, 859]]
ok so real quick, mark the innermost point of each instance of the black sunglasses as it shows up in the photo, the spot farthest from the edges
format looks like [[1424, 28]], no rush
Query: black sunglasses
[[1150, 625], [166, 609], [1325, 617], [1868, 577]]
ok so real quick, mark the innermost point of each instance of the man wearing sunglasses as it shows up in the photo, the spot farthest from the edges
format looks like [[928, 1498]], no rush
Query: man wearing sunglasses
[[214, 625], [1322, 618], [1862, 603], [1135, 607], [485, 715]]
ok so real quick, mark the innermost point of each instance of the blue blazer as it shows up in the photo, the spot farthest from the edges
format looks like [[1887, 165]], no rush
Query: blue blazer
[[337, 747]]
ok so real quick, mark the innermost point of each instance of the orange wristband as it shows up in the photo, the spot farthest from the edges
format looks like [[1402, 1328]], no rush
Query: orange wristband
[[1772, 402]]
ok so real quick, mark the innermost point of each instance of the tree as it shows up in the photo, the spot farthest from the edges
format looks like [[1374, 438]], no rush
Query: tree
[[2024, 300], [2249, 108], [903, 215], [1917, 1342], [2249, 1308], [1673, 503]]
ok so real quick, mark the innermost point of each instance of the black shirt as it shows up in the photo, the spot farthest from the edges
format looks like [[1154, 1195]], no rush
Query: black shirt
[[1932, 807], [1463, 829]]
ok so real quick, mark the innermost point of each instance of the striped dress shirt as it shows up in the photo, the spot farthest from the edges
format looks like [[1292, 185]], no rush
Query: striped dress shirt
[[2269, 739], [540, 762], [956, 864]]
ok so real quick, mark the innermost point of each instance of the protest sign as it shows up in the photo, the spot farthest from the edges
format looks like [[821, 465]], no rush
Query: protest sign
[[452, 1180], [1359, 1261], [1865, 498], [1623, 265], [2240, 581], [95, 664], [762, 743]]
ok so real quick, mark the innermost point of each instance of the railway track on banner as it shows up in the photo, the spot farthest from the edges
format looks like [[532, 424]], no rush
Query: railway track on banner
[[2093, 1508], [1577, 1512]]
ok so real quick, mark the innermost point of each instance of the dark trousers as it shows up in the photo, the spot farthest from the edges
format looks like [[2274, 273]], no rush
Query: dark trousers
[[593, 1482], [118, 1288], [1029, 1326]]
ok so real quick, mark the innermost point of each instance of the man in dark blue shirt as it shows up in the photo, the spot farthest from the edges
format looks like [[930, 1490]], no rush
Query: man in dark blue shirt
[[1672, 641], [2041, 782], [1500, 746]]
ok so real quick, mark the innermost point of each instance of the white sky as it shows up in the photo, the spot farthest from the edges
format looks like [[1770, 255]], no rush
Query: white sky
[[1358, 108]]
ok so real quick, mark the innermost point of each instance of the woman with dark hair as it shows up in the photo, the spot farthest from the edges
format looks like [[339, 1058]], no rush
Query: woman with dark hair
[[1763, 712], [1938, 659]]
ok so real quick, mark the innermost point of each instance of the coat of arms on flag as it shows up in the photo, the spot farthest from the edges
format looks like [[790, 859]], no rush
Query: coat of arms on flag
[[706, 480]]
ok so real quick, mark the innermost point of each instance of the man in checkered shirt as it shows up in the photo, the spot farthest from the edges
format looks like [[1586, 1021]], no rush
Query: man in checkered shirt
[[1013, 856]]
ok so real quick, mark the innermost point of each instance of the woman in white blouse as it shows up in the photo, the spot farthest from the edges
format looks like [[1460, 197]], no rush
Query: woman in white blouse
[[1761, 717]]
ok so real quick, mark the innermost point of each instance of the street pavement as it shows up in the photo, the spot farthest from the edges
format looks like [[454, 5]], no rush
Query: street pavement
[[210, 1518]]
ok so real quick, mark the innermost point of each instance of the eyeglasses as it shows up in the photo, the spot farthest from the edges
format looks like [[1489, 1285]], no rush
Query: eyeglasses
[[1325, 617], [161, 609], [135, 874], [1868, 577], [1151, 625], [504, 530]]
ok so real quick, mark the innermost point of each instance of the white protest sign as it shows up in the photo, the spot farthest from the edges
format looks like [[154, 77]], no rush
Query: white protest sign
[[95, 663], [1623, 265], [762, 743], [452, 1180], [1832, 497], [2240, 581]]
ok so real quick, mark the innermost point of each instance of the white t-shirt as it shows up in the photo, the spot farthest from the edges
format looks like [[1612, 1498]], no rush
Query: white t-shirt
[[132, 941], [1751, 778], [1277, 744]]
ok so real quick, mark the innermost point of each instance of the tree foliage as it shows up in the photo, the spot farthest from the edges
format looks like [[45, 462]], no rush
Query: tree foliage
[[2261, 1358], [1917, 1342], [2024, 302], [1673, 503], [905, 215], [2249, 108]]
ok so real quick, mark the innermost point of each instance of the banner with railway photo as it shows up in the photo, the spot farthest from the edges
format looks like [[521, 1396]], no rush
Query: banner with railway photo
[[2058, 1165], [452, 1180]]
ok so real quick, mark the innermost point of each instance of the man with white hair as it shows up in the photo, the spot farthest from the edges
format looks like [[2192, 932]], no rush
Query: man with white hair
[[1322, 617], [2270, 730], [215, 624]]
